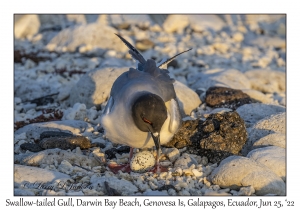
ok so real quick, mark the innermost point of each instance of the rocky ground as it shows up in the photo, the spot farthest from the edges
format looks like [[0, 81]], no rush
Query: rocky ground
[[231, 88]]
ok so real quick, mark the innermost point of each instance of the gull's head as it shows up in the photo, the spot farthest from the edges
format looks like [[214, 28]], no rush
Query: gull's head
[[149, 113]]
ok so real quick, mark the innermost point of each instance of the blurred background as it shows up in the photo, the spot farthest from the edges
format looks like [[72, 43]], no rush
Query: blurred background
[[242, 41], [52, 52]]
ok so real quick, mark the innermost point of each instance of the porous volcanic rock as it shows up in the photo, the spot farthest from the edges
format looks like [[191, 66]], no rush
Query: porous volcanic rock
[[65, 142], [219, 136], [48, 134], [182, 136], [31, 147], [226, 97], [111, 153], [56, 139]]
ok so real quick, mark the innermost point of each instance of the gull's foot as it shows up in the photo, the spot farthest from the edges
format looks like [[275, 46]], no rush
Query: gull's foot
[[125, 168], [158, 169]]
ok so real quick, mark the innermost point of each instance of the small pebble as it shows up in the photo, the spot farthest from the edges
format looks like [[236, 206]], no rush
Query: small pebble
[[65, 167], [185, 161], [247, 191], [197, 173], [172, 153], [238, 37]]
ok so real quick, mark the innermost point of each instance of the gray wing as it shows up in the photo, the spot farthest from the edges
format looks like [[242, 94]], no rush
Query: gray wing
[[162, 79], [109, 105], [157, 79], [119, 83], [175, 119]]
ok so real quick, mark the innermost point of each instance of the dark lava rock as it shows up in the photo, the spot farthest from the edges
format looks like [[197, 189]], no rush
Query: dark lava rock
[[44, 100], [219, 136], [31, 147], [98, 144], [62, 140], [166, 187], [48, 134], [226, 97], [123, 149], [100, 130], [65, 143], [111, 153], [111, 191], [182, 137], [174, 64]]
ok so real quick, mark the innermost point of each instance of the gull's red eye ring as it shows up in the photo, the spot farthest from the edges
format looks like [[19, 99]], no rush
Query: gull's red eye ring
[[146, 121]]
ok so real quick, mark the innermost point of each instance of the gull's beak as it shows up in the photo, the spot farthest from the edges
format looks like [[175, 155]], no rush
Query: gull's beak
[[156, 139]]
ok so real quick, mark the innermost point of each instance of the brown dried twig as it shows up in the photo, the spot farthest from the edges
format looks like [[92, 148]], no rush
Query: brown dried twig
[[19, 54], [53, 115]]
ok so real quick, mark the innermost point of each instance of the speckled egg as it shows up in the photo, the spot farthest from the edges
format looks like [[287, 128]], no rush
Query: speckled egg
[[142, 161]]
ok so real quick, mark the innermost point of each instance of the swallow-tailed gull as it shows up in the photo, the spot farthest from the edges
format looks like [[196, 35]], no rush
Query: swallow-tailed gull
[[142, 110]]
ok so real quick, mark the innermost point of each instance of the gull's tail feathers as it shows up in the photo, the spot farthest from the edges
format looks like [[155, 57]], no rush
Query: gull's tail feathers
[[164, 64], [133, 51]]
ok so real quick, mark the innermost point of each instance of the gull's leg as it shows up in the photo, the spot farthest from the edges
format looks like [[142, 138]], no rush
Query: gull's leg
[[157, 160], [130, 154]]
